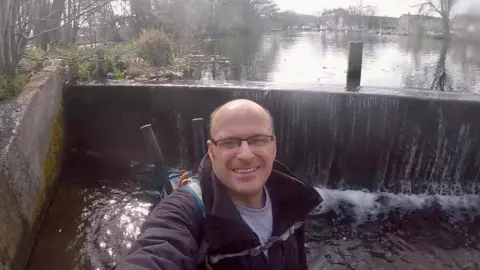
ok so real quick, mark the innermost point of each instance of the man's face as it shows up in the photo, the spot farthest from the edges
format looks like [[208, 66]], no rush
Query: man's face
[[243, 169]]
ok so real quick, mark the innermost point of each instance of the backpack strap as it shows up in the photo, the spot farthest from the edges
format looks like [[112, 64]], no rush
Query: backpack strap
[[196, 191], [194, 188], [259, 249]]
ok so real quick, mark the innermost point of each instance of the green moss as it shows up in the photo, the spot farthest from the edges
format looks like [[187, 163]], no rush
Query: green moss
[[11, 85], [51, 165], [53, 155]]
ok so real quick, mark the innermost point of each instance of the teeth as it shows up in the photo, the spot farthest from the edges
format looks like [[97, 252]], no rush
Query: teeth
[[247, 170]]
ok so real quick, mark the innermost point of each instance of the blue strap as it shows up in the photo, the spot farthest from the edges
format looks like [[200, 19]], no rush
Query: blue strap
[[194, 189], [173, 175]]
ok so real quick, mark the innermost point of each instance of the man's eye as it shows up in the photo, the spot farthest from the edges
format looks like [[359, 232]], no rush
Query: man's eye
[[227, 143], [260, 140]]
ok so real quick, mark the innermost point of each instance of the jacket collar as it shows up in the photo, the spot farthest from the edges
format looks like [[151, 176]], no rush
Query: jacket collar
[[225, 229]]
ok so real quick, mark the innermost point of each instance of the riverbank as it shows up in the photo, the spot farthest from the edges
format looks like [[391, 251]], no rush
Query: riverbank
[[152, 54]]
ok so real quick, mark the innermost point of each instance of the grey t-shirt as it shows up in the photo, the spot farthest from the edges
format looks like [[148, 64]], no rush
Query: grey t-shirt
[[259, 220]]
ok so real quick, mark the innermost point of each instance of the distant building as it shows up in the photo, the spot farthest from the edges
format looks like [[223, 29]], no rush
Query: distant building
[[372, 22], [418, 24], [385, 22], [340, 19], [466, 24], [335, 19]]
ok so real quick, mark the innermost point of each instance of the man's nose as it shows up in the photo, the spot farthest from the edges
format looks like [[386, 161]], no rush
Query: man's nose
[[245, 152]]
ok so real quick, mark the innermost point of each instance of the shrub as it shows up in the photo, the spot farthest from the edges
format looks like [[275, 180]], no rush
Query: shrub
[[35, 59], [138, 66], [155, 47], [85, 70], [81, 61], [116, 59], [11, 85]]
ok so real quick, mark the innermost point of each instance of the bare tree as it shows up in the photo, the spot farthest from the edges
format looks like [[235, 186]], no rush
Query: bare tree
[[43, 10], [15, 25], [22, 21], [55, 20], [441, 80], [319, 18], [142, 12], [359, 12], [443, 8], [361, 9]]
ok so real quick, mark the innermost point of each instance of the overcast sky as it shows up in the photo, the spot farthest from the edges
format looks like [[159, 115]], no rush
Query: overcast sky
[[393, 8]]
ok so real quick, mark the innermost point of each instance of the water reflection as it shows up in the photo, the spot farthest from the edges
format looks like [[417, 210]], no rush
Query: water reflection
[[95, 216], [238, 58], [319, 57]]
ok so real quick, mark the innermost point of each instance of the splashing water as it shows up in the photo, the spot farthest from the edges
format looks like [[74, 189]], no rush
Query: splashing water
[[361, 230], [365, 206]]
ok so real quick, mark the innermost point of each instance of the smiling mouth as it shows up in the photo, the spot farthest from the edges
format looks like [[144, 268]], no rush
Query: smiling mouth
[[246, 170]]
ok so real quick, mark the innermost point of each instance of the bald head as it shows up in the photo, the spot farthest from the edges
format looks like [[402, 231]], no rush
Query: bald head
[[243, 108], [242, 148]]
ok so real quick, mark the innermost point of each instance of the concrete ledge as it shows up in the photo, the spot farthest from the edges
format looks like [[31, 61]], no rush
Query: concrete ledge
[[30, 151]]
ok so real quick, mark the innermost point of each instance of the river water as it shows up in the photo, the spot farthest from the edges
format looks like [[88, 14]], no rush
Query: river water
[[97, 213], [320, 57]]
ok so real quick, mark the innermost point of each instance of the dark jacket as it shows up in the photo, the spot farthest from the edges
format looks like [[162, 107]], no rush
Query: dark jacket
[[171, 235]]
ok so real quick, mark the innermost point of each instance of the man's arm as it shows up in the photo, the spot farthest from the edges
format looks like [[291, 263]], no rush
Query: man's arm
[[169, 236]]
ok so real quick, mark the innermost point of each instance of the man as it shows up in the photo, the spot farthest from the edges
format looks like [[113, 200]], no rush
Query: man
[[253, 205]]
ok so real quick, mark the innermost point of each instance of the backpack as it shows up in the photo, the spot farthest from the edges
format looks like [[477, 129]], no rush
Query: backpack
[[193, 187]]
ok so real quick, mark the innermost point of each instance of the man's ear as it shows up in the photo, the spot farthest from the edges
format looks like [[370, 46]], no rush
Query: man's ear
[[275, 149], [210, 149]]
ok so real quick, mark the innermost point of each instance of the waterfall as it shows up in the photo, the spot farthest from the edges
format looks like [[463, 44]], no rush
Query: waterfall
[[338, 140], [182, 147]]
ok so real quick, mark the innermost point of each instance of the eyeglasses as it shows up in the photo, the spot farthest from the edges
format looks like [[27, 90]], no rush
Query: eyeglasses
[[257, 141]]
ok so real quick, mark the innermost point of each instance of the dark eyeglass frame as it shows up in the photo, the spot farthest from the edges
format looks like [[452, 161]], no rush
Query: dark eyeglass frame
[[239, 141]]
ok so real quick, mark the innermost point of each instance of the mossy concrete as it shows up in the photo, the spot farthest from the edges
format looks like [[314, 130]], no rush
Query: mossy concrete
[[54, 154], [31, 126]]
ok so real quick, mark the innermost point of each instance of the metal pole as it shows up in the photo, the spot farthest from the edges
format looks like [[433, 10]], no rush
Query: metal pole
[[355, 59], [156, 153], [199, 139]]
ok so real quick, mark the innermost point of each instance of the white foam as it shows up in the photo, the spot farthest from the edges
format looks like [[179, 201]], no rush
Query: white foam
[[365, 204]]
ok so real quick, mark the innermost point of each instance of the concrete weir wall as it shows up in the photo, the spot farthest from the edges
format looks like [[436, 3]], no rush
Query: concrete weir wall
[[406, 141], [30, 154]]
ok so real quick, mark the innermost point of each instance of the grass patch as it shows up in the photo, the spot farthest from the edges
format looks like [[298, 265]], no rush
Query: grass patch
[[11, 85]]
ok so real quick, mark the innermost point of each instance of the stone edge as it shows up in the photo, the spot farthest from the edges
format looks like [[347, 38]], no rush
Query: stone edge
[[19, 107], [423, 94]]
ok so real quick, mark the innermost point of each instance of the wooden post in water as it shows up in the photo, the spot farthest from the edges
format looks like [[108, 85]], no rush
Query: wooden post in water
[[157, 156], [199, 139], [355, 59]]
